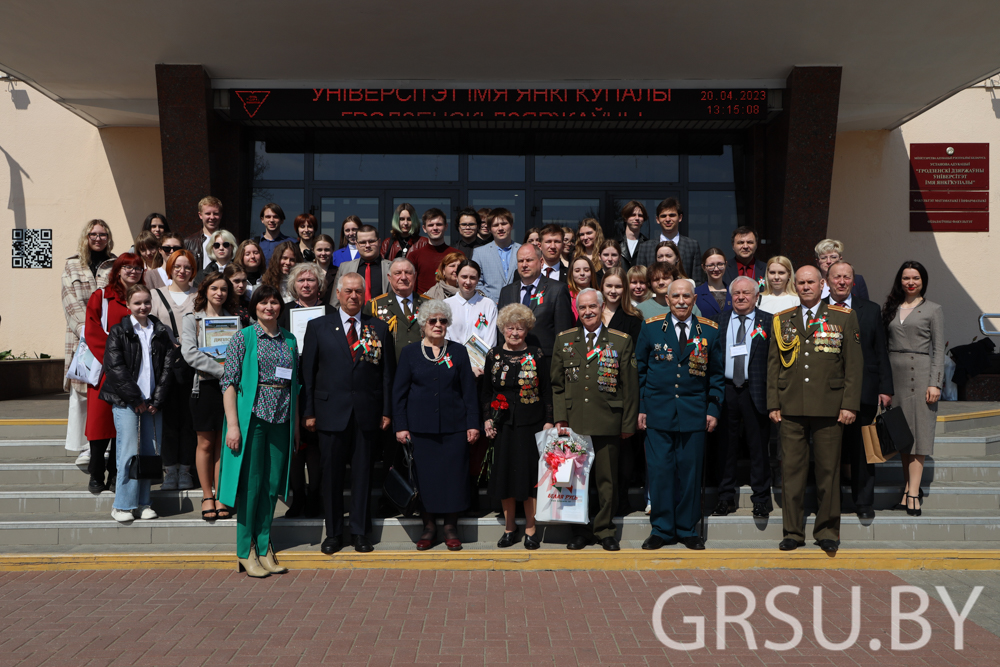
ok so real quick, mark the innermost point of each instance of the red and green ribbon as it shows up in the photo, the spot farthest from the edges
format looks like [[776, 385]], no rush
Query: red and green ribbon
[[446, 361], [538, 298]]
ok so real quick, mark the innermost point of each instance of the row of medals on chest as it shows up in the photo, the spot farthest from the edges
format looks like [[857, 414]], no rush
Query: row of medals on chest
[[828, 338], [527, 376], [607, 367]]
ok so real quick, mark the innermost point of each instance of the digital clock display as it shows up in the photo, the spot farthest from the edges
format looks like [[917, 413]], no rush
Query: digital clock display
[[499, 104]]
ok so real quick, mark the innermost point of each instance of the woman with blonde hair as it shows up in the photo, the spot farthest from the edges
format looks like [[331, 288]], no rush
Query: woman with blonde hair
[[221, 250], [638, 289], [447, 277], [85, 272], [779, 288], [589, 239]]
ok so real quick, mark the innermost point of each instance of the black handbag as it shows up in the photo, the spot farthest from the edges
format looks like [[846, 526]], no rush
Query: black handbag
[[400, 485], [145, 467], [894, 434]]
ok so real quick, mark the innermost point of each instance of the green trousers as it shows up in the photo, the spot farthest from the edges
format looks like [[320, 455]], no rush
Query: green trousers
[[265, 460], [603, 477], [826, 434]]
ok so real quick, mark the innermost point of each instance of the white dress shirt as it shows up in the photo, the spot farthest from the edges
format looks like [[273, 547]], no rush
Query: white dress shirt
[[466, 313], [675, 239], [847, 302], [734, 329], [551, 272], [145, 379], [688, 323]]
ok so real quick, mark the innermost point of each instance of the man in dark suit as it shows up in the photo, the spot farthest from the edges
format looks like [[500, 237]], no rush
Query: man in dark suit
[[746, 338], [634, 216], [745, 262], [669, 216], [876, 384], [548, 299], [348, 363], [551, 238]]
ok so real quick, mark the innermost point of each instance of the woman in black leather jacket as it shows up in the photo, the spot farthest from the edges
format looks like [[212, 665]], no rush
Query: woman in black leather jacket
[[138, 365]]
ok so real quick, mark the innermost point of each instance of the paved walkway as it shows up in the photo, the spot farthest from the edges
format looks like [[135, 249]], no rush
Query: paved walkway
[[369, 617]]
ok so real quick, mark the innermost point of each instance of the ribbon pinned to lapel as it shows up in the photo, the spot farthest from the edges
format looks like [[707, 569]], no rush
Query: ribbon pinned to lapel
[[538, 298]]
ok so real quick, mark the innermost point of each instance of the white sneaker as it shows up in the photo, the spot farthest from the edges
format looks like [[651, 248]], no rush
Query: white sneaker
[[146, 513], [170, 474], [122, 516], [649, 509], [184, 479], [83, 458]]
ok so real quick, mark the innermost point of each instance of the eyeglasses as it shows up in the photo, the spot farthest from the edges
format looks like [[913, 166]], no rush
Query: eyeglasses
[[715, 267], [131, 269], [437, 320], [170, 248], [97, 235], [470, 225], [366, 243], [224, 244]]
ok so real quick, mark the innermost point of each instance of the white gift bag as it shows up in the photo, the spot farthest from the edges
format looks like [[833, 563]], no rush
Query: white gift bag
[[562, 490]]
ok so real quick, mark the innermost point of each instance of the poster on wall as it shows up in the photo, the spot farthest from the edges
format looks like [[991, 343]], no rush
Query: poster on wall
[[949, 187]]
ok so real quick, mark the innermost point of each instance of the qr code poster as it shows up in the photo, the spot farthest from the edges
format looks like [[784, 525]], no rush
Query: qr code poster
[[31, 249]]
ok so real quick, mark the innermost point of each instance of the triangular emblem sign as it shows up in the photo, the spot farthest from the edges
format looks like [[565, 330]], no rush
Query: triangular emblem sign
[[252, 100]]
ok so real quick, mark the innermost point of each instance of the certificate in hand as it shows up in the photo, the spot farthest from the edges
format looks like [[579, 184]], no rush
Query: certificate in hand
[[217, 331], [477, 350], [299, 318]]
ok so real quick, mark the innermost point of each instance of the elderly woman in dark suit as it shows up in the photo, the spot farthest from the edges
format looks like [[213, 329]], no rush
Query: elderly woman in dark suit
[[435, 408]]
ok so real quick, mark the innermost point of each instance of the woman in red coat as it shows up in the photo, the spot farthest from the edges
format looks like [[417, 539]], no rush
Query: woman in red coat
[[126, 271]]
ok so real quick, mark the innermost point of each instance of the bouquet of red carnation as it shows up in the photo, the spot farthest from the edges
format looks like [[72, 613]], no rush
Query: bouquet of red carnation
[[500, 408]]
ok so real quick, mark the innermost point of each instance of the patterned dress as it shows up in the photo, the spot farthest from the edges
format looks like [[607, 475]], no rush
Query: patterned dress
[[272, 404]]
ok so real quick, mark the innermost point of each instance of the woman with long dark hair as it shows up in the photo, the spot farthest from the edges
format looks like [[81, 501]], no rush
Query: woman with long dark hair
[[915, 334], [156, 224], [405, 236], [286, 255]]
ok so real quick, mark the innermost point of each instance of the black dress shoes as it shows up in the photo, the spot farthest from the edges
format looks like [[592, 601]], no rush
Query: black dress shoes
[[788, 544], [829, 546], [611, 544], [531, 541], [508, 540], [865, 512], [579, 542], [95, 486], [724, 508], [331, 545], [653, 542], [694, 542], [760, 511], [362, 544]]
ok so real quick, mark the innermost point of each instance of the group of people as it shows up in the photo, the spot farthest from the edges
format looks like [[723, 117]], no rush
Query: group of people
[[656, 350]]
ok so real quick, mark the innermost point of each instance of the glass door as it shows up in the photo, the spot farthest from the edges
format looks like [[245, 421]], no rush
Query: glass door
[[565, 209], [331, 207], [421, 200]]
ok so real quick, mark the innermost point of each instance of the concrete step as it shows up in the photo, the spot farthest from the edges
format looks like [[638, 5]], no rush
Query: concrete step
[[964, 415], [96, 529], [19, 449], [970, 442]]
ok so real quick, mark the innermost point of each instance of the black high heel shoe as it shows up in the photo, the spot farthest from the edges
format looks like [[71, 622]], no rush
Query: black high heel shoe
[[915, 511]]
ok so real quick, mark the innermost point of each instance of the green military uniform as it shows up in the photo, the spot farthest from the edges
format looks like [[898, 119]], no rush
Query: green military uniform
[[404, 331], [598, 397], [814, 370]]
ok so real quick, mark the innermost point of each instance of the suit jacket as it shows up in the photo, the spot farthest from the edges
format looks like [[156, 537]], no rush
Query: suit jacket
[[493, 278], [340, 256], [759, 348], [671, 397], [351, 266], [434, 398], [628, 261], [732, 271], [337, 385], [386, 307], [690, 255], [552, 315], [877, 377], [622, 321], [707, 304]]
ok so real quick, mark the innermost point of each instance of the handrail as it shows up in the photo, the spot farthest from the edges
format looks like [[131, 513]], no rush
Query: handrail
[[982, 324]]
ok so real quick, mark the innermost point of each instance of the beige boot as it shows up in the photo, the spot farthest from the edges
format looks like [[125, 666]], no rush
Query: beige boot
[[252, 566], [270, 563]]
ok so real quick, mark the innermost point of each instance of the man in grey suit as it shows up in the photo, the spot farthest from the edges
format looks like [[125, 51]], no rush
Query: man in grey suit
[[498, 258], [369, 265], [669, 216]]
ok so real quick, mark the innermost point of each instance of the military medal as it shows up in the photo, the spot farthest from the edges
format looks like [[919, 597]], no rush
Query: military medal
[[607, 369], [529, 379], [788, 331]]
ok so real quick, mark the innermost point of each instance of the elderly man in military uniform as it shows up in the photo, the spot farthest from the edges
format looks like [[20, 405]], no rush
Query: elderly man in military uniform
[[681, 365], [814, 374], [595, 392], [399, 306]]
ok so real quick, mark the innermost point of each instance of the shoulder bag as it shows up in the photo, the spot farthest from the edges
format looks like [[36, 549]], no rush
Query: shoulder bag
[[146, 467], [183, 373], [85, 367]]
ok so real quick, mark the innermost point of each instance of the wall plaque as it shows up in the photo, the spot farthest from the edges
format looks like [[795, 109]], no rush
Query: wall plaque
[[949, 187]]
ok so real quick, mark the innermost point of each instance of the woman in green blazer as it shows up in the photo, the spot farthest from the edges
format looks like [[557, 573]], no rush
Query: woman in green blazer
[[261, 427]]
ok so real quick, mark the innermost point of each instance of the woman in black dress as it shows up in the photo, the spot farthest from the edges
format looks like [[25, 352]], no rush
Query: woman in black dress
[[520, 390]]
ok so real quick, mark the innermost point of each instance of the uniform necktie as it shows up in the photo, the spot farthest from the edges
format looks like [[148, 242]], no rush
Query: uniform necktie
[[809, 316], [682, 339], [591, 339], [842, 304], [352, 338], [368, 282], [526, 299], [405, 303], [739, 372]]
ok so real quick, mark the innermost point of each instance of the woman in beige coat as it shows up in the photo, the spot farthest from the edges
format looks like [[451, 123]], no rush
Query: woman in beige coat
[[85, 272], [915, 334]]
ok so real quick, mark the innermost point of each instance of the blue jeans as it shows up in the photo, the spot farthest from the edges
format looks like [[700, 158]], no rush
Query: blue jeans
[[137, 434]]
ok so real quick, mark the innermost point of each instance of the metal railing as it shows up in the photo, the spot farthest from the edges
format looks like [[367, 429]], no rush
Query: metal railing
[[982, 324]]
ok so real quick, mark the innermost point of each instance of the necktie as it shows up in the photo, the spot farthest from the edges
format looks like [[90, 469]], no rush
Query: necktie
[[809, 316], [526, 299], [739, 372], [548, 271], [405, 303], [591, 337], [352, 338], [682, 338], [368, 282], [842, 304]]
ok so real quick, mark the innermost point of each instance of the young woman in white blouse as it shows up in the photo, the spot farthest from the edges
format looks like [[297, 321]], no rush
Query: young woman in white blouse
[[779, 292], [471, 312]]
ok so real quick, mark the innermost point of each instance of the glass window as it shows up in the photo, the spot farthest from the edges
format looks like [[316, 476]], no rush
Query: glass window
[[357, 167], [568, 212], [711, 218], [289, 199], [512, 200], [421, 204], [711, 168], [277, 166], [607, 168], [333, 210], [496, 167]]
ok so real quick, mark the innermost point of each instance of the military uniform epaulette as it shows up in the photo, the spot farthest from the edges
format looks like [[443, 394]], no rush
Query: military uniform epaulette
[[425, 298], [618, 333], [839, 309], [656, 318], [786, 310], [708, 322], [380, 296], [563, 333]]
